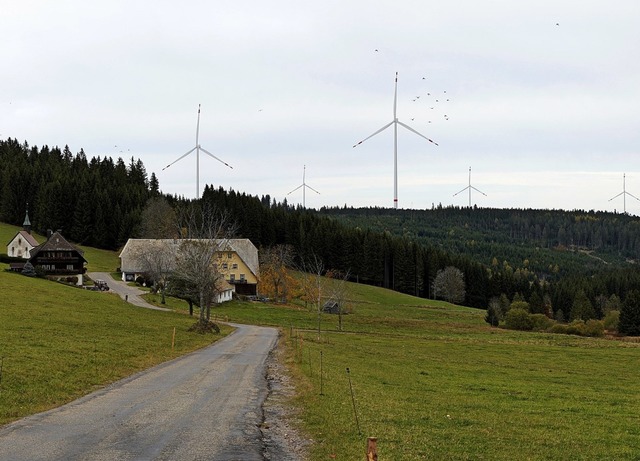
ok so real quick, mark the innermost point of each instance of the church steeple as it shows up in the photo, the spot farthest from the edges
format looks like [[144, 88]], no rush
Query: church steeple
[[26, 225]]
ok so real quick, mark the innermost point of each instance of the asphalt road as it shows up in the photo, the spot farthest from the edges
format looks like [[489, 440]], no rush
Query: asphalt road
[[129, 293], [204, 406]]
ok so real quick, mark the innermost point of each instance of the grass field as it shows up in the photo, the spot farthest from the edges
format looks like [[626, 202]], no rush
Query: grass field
[[433, 381]]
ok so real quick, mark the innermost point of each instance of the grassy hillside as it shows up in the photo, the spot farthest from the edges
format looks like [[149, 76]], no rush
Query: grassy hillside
[[58, 343], [434, 381]]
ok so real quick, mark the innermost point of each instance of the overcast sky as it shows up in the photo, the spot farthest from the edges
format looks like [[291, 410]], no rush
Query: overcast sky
[[542, 98]]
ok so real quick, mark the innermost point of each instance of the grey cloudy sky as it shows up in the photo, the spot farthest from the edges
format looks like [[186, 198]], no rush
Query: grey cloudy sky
[[542, 98]]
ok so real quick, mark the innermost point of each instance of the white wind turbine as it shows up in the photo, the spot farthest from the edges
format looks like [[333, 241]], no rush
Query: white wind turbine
[[304, 186], [395, 122], [624, 194], [470, 187], [198, 148]]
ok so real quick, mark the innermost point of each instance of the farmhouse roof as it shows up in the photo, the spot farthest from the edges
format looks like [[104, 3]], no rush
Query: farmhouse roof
[[56, 242]]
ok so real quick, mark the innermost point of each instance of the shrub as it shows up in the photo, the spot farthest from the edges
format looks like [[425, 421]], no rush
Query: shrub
[[518, 319], [594, 328], [576, 328], [558, 328], [541, 322], [520, 305], [611, 320]]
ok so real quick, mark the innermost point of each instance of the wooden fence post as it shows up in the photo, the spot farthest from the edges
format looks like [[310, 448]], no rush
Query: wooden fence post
[[372, 449]]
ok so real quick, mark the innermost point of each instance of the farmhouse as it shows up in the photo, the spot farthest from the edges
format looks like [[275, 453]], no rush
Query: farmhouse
[[57, 257], [23, 242], [237, 260]]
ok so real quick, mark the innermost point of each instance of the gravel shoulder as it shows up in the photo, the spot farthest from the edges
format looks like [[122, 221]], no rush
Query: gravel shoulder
[[283, 440]]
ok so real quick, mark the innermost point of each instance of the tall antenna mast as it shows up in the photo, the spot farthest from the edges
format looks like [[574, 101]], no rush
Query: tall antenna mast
[[470, 187], [624, 194], [395, 122], [198, 148], [304, 186]]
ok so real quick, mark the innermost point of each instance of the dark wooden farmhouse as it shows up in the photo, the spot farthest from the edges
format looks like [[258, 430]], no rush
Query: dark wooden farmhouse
[[57, 257]]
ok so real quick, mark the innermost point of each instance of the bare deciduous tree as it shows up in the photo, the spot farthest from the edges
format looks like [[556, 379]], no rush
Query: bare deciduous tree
[[313, 285], [205, 232], [339, 292], [157, 262], [158, 219], [449, 285]]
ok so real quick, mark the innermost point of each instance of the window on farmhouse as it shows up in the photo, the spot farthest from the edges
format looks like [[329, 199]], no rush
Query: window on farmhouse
[[225, 266], [229, 255], [242, 277], [232, 277], [234, 266]]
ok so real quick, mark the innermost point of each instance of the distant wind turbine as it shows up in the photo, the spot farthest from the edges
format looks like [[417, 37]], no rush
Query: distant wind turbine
[[395, 122], [624, 194], [198, 148], [470, 187], [304, 186]]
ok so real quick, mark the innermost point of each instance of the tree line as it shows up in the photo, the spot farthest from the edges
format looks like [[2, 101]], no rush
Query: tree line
[[95, 202]]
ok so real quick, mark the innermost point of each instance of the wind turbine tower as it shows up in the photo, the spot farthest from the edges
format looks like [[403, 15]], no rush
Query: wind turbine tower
[[304, 186], [470, 187], [624, 194], [198, 148], [395, 122]]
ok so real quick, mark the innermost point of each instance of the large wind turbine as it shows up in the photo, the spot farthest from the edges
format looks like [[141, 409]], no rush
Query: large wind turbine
[[624, 194], [304, 186], [470, 187], [395, 122], [198, 148]]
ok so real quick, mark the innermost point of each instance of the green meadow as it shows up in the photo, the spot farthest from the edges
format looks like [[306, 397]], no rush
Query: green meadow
[[434, 381], [430, 380]]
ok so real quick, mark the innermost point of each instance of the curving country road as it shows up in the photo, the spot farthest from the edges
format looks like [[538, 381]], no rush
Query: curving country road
[[204, 406], [132, 294]]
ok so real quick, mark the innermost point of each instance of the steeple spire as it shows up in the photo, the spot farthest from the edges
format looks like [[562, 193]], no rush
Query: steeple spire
[[26, 225]]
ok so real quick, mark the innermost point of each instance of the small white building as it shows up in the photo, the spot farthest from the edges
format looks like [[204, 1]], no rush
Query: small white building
[[23, 242]]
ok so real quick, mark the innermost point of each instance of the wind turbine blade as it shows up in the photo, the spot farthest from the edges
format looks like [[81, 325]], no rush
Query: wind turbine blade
[[371, 136], [478, 190], [295, 189], [213, 156], [621, 193], [419, 134], [461, 191], [633, 196], [312, 189], [179, 158]]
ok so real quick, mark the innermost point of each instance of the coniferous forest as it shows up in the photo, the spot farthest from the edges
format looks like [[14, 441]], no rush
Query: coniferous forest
[[532, 255]]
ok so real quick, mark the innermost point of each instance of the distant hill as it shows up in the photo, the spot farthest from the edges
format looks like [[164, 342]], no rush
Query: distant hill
[[551, 243]]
